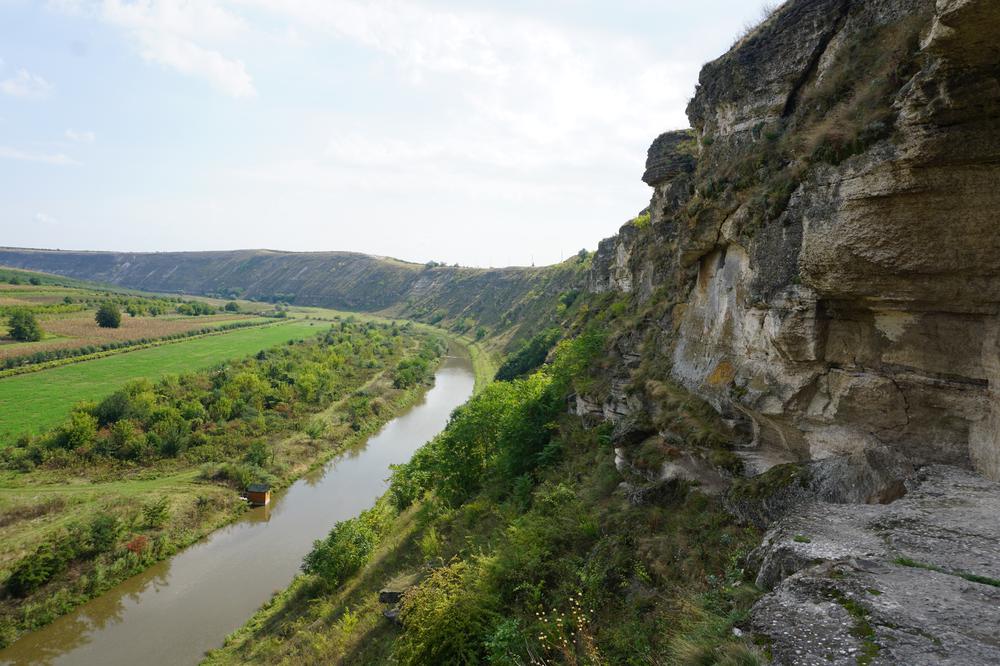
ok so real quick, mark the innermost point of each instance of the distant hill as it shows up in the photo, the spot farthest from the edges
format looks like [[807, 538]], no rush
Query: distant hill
[[497, 298]]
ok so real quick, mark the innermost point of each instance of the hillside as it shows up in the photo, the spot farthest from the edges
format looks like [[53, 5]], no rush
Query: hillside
[[500, 299], [759, 424], [783, 442]]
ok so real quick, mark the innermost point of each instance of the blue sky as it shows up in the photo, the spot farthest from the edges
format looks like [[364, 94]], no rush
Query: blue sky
[[483, 133]]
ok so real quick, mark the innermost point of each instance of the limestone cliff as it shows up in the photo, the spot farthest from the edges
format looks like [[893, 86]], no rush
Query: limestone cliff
[[822, 265], [833, 259]]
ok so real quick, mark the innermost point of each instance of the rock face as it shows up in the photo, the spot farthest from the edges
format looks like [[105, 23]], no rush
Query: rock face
[[668, 157], [822, 265], [913, 582], [834, 258]]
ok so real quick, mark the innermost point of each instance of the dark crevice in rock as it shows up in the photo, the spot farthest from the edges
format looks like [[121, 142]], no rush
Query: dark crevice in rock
[[793, 97]]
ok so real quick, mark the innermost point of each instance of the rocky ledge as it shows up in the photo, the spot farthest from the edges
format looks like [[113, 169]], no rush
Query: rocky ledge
[[913, 582]]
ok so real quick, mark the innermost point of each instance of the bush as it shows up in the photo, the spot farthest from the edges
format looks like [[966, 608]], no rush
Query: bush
[[348, 546], [104, 532], [258, 454], [410, 372], [49, 560], [34, 571], [108, 315], [530, 356], [79, 432], [195, 308], [316, 428], [448, 618], [156, 512], [23, 326]]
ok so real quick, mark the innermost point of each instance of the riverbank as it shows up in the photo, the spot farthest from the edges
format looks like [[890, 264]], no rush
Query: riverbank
[[38, 505], [485, 359], [188, 604]]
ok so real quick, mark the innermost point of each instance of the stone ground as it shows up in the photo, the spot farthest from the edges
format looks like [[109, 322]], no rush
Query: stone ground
[[913, 582]]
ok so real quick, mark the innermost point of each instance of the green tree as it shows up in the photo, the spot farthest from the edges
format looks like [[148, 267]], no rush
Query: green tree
[[348, 546], [79, 431], [232, 306], [258, 454], [156, 512], [530, 355], [104, 532], [23, 326], [108, 315]]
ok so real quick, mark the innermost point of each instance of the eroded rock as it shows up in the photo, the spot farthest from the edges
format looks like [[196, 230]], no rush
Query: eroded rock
[[916, 581]]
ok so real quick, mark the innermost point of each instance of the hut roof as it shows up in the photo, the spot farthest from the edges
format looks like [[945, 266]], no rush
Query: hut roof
[[258, 488]]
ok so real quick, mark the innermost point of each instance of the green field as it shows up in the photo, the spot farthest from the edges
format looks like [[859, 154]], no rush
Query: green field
[[39, 400]]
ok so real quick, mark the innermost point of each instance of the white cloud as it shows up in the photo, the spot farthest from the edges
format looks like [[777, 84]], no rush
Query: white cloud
[[70, 7], [182, 35], [42, 218], [168, 33], [26, 85], [57, 159], [81, 137], [518, 93]]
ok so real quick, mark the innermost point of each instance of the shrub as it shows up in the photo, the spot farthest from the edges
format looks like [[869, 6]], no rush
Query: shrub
[[104, 532], [348, 546], [316, 428], [195, 308], [49, 560], [410, 372], [23, 326], [79, 432], [108, 315], [138, 544], [34, 571], [258, 454], [156, 512], [530, 355], [448, 618]]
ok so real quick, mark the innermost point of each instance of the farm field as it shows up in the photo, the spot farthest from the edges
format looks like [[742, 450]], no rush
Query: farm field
[[64, 310], [105, 513], [39, 400], [78, 329]]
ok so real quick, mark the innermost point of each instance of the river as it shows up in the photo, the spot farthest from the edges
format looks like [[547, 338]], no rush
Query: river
[[182, 607]]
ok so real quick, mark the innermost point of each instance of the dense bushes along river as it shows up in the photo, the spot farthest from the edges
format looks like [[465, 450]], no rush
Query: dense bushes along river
[[165, 462], [521, 548]]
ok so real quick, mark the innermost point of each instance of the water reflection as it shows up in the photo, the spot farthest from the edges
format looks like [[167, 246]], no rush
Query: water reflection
[[176, 610]]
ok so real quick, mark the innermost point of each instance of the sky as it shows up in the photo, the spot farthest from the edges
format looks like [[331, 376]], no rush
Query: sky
[[485, 133]]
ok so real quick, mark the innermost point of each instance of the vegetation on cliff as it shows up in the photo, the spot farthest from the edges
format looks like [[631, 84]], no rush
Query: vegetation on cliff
[[515, 545]]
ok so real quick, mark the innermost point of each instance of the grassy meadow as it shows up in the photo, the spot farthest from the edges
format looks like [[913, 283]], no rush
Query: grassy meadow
[[39, 400], [149, 467], [77, 329], [65, 309]]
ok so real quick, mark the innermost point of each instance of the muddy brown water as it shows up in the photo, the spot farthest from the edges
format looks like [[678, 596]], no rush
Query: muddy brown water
[[178, 609]]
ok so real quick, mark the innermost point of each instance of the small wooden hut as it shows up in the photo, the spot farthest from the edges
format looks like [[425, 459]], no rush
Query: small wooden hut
[[259, 494]]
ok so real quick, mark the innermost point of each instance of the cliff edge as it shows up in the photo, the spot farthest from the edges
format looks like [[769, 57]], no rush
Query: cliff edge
[[822, 265]]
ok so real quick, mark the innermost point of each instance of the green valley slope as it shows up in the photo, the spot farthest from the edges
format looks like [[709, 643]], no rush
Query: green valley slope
[[512, 301]]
